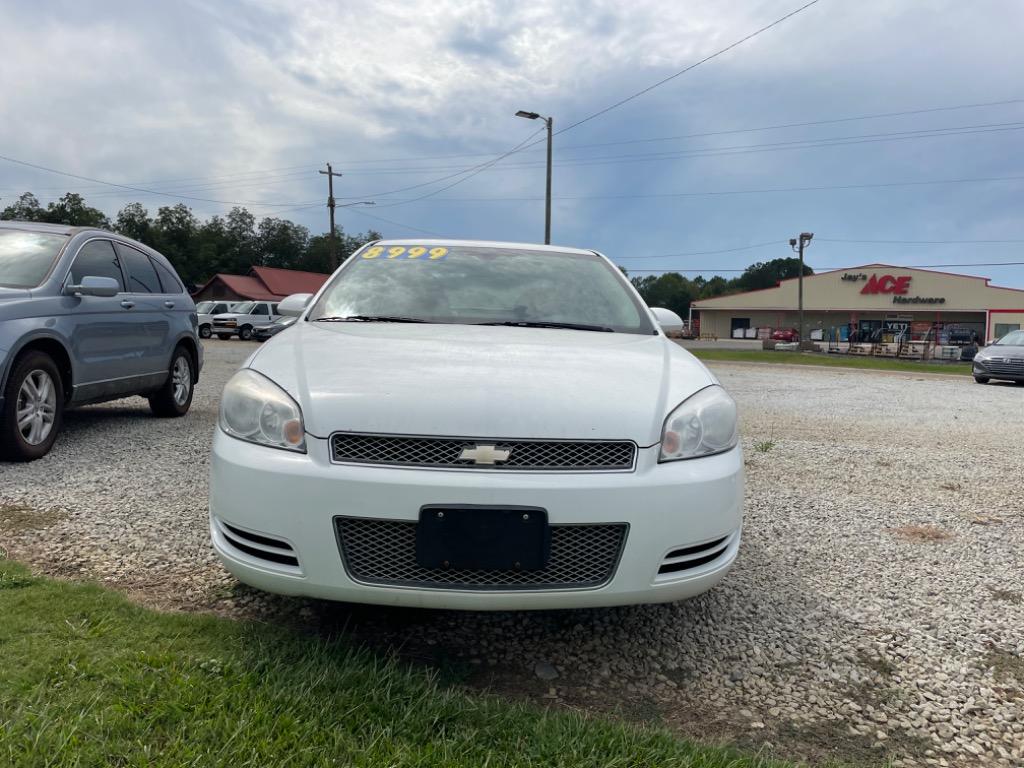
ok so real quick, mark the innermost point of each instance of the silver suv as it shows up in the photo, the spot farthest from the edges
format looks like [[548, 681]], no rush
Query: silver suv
[[87, 316]]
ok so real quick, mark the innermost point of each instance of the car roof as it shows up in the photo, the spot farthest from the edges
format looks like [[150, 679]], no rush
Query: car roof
[[487, 244], [37, 226]]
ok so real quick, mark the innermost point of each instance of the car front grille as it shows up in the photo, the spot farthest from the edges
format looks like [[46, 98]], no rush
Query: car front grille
[[694, 556], [1005, 365], [383, 552], [447, 452]]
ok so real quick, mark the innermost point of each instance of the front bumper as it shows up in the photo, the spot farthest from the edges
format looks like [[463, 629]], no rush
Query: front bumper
[[295, 498], [1007, 370]]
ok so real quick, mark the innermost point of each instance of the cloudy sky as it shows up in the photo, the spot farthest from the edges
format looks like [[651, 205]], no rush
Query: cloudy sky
[[241, 101]]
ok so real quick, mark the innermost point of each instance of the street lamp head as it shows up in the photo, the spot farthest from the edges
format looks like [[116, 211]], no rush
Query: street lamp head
[[527, 115], [807, 236]]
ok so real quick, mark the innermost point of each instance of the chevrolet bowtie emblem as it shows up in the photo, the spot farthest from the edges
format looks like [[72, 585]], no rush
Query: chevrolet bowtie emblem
[[484, 454]]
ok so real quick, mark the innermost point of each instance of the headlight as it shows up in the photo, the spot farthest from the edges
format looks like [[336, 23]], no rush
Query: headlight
[[255, 409], [700, 426]]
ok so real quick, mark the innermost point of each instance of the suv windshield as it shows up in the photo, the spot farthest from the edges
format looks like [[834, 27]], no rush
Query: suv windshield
[[1012, 339], [26, 257], [203, 307], [483, 285], [244, 308]]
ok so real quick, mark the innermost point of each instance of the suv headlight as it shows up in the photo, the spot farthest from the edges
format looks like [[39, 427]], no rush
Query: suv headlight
[[255, 409], [701, 425]]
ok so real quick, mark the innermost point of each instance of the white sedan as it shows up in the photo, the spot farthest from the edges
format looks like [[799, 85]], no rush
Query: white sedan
[[476, 425]]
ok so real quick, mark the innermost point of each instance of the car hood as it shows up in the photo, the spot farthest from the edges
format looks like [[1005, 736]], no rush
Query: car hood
[[472, 381], [1001, 350]]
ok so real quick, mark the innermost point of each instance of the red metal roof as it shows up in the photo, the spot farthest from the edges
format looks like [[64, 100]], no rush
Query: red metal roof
[[270, 283], [285, 282]]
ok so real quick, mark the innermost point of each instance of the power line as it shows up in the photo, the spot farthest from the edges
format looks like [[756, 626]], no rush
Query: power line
[[708, 253], [833, 269], [135, 188], [395, 223], [918, 242], [703, 134], [683, 71], [740, 149], [712, 193]]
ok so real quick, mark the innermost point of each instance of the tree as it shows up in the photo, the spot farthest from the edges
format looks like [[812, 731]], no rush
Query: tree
[[133, 221], [174, 235], [768, 274], [281, 243], [72, 210], [26, 208]]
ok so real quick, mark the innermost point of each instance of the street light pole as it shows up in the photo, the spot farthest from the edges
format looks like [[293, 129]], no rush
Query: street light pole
[[549, 122], [804, 241]]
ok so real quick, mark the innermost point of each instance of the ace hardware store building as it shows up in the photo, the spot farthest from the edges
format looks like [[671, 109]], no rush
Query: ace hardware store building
[[876, 302]]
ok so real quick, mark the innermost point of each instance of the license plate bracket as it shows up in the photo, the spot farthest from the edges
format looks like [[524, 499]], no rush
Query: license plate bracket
[[463, 537]]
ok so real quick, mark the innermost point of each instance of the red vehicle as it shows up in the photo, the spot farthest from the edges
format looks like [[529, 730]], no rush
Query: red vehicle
[[786, 334]]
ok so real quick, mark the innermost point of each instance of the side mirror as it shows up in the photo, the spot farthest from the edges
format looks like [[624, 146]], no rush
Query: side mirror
[[294, 305], [95, 286], [667, 319]]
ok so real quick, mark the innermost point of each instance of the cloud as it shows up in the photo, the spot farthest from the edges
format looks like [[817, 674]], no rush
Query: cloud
[[142, 92]]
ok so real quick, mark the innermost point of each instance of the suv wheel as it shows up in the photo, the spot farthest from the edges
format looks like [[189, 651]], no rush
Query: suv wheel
[[205, 331], [175, 397], [33, 408], [245, 332]]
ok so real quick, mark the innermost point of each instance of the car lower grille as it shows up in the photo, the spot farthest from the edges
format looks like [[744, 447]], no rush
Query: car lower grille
[[383, 552], [1008, 365], [688, 558], [548, 455], [258, 545]]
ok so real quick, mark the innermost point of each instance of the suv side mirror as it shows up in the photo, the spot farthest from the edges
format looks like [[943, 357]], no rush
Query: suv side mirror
[[94, 286], [667, 319], [294, 305]]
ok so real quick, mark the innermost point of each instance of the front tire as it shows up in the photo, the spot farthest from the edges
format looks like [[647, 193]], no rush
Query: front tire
[[981, 379], [33, 409], [245, 332], [174, 398], [205, 332]]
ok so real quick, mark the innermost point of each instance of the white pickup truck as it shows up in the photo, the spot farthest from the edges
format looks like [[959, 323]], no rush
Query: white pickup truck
[[244, 319]]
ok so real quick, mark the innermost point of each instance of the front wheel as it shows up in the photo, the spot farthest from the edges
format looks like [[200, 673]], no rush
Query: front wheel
[[175, 397], [245, 332], [205, 332], [33, 408], [981, 379]]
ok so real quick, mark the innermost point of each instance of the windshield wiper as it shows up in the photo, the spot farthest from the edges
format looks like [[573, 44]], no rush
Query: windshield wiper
[[369, 319], [541, 324]]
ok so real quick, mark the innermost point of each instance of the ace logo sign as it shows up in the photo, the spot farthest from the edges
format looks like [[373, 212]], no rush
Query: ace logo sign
[[897, 286]]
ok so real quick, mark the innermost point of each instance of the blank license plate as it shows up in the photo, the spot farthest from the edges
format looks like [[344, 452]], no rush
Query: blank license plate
[[483, 538]]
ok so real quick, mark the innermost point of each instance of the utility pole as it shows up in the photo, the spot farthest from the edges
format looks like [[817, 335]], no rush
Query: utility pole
[[549, 122], [804, 241], [330, 205]]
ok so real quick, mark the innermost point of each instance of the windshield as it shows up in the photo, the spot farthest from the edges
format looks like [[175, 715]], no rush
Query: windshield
[[244, 308], [1012, 339], [26, 257], [482, 285], [204, 306]]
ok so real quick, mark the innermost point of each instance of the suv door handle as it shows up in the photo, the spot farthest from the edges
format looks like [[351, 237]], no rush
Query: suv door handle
[[169, 304], [127, 304]]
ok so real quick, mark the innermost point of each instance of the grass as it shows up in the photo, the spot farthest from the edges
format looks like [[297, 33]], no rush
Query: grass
[[831, 361], [88, 679]]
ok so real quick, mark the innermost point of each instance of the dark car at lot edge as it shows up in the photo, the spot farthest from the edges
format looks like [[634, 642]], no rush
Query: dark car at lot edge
[[87, 316], [1002, 359]]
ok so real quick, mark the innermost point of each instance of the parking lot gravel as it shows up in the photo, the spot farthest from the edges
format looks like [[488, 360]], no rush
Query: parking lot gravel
[[876, 611]]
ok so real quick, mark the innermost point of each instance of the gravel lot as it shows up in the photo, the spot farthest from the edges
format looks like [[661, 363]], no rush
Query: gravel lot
[[876, 611]]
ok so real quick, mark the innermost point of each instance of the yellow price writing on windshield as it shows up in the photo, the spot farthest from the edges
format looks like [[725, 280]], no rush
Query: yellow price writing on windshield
[[401, 253]]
